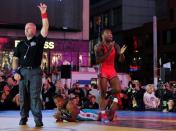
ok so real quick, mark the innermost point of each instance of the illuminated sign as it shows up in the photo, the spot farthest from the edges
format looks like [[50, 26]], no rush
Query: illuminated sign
[[48, 44], [134, 68], [16, 42]]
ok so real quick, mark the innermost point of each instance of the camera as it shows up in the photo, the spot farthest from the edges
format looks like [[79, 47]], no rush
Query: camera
[[174, 85]]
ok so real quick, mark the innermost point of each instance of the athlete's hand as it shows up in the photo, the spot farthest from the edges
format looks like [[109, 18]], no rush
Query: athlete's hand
[[57, 115], [122, 50], [42, 8]]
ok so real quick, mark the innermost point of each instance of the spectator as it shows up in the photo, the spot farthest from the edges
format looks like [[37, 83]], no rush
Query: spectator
[[87, 90], [94, 91], [48, 91], [137, 95], [170, 106], [55, 75], [150, 100], [92, 103], [2, 82], [59, 87], [77, 91]]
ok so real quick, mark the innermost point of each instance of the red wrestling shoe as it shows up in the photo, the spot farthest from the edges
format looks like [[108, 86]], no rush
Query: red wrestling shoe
[[104, 117]]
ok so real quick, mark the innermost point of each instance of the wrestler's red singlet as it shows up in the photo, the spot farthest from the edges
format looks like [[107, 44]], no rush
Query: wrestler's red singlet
[[107, 69]]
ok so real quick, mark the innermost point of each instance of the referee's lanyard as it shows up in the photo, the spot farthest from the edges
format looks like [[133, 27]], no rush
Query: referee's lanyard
[[26, 50]]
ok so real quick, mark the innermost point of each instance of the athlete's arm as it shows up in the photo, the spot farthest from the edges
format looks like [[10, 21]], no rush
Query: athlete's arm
[[74, 110]]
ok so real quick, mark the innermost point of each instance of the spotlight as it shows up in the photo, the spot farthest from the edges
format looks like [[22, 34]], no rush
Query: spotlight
[[64, 27]]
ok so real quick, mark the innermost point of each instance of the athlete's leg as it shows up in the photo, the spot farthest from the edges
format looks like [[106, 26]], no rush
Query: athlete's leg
[[103, 85], [115, 84], [89, 115]]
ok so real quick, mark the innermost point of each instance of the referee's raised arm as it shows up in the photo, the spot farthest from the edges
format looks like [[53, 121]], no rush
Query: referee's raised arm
[[45, 22]]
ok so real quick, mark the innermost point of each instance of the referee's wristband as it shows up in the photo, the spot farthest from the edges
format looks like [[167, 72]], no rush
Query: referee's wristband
[[44, 15], [15, 71]]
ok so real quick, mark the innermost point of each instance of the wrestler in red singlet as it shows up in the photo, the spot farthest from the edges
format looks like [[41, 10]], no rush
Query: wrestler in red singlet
[[107, 53]]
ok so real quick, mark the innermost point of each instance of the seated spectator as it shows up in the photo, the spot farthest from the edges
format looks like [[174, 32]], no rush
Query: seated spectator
[[78, 102], [55, 75], [94, 91], [163, 94], [77, 90], [48, 91], [86, 90], [5, 103], [16, 101], [14, 87], [150, 100], [59, 87], [92, 103], [6, 90], [2, 82], [170, 106]]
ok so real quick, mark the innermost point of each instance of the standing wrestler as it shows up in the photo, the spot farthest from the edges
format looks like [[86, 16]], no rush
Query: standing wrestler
[[107, 54], [27, 57]]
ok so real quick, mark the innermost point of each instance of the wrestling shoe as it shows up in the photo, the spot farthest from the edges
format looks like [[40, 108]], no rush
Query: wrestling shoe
[[104, 117]]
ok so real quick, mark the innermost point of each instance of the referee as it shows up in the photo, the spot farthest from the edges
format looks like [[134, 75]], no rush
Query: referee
[[26, 69]]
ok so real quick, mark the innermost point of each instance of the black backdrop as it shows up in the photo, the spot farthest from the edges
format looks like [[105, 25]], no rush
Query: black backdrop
[[61, 13]]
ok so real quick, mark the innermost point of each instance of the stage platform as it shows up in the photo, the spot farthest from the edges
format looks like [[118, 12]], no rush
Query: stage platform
[[126, 121]]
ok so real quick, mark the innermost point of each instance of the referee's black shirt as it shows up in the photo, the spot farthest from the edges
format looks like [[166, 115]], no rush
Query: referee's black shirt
[[30, 51]]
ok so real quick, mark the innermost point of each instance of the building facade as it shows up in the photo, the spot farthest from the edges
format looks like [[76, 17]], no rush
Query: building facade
[[68, 37], [166, 31], [120, 16], [131, 22]]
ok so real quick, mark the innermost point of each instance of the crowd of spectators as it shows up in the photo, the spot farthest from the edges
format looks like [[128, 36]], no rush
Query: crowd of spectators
[[135, 97]]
